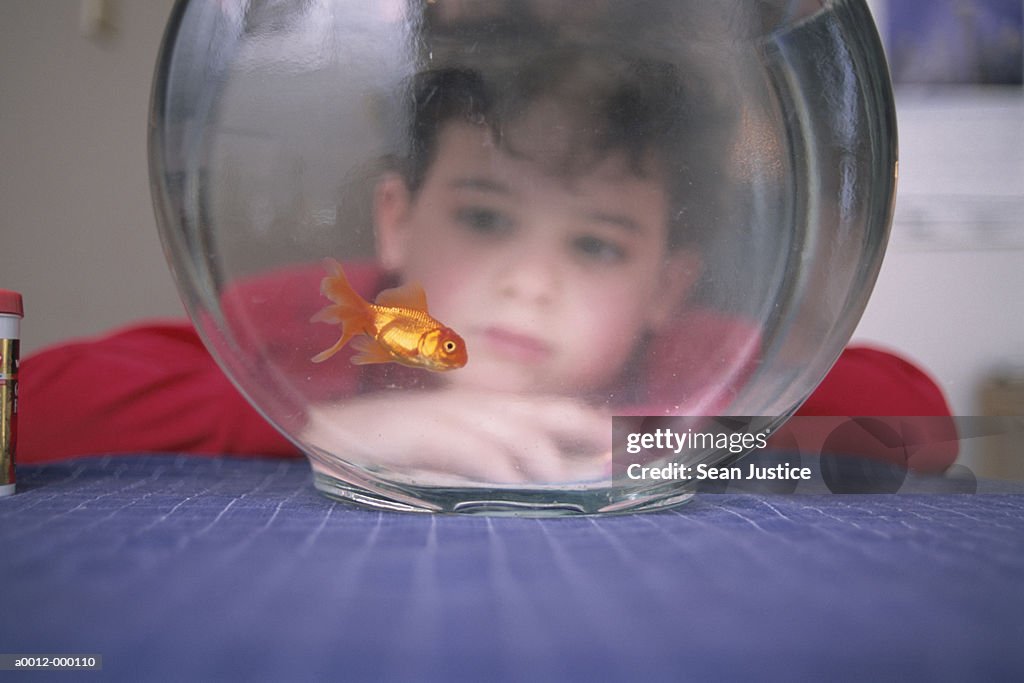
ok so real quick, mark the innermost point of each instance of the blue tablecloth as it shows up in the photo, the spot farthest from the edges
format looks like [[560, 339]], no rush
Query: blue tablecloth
[[189, 568]]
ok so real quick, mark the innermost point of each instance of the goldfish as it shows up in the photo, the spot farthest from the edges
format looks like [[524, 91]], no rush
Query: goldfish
[[395, 328]]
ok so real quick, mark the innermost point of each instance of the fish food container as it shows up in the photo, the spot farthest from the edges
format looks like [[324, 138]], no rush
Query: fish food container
[[12, 310], [503, 257]]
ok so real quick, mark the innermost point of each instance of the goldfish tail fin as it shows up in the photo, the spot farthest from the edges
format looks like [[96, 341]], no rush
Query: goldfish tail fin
[[324, 355], [349, 309], [332, 314], [336, 287], [370, 352]]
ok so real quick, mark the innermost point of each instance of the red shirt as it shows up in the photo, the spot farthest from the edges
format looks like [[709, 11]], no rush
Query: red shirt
[[154, 387]]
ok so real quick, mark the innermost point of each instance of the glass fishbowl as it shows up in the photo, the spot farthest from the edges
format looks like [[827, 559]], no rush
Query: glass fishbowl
[[452, 250]]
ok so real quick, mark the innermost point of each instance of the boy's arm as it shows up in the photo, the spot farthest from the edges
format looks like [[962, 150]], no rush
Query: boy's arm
[[151, 387], [868, 382], [154, 386], [871, 382]]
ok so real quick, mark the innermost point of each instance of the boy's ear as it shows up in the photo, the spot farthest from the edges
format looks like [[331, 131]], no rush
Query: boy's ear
[[678, 275], [391, 204]]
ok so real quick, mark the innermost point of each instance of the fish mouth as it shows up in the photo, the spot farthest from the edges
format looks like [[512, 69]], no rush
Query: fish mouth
[[516, 346]]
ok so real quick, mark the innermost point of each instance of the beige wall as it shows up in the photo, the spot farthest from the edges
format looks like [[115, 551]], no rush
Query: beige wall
[[77, 233]]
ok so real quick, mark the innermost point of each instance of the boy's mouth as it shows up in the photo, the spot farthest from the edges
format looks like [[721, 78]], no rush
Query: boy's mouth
[[517, 346]]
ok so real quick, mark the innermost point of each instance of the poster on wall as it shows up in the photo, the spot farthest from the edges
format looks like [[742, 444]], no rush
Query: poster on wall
[[955, 42], [958, 68]]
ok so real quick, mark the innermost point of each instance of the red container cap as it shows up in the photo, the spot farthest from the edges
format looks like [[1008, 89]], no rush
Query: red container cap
[[10, 303]]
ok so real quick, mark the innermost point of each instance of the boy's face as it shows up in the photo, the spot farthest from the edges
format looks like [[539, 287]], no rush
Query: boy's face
[[550, 280]]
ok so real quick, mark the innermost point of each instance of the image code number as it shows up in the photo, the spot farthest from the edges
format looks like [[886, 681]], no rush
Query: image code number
[[19, 662]]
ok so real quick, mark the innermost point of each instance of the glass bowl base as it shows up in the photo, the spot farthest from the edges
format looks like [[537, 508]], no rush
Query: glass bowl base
[[501, 502]]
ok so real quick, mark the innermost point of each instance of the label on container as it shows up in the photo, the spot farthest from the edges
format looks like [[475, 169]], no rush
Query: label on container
[[8, 408]]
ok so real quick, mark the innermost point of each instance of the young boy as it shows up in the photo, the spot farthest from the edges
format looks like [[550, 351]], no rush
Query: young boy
[[544, 222], [536, 215], [541, 219]]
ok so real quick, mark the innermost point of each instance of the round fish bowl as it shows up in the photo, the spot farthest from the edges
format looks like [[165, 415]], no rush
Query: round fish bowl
[[463, 254]]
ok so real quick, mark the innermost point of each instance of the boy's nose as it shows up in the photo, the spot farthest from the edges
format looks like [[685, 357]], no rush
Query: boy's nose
[[530, 279]]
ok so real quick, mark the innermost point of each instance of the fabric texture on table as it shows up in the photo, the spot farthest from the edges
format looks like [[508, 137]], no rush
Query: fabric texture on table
[[191, 568]]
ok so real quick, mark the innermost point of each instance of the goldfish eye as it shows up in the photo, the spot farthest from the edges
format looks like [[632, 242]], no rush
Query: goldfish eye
[[449, 346]]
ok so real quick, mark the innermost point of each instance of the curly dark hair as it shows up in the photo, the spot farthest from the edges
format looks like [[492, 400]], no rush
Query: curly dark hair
[[652, 112]]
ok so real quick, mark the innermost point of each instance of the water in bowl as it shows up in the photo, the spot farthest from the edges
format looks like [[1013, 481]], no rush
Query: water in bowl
[[677, 208]]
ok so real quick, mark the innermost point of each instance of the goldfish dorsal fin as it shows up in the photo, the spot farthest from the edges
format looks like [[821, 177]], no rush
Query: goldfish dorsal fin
[[409, 295]]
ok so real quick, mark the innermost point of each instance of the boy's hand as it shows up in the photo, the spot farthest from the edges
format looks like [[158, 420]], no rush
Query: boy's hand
[[460, 437]]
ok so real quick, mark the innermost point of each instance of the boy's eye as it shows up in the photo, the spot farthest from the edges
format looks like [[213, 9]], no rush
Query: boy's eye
[[597, 249], [482, 220]]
